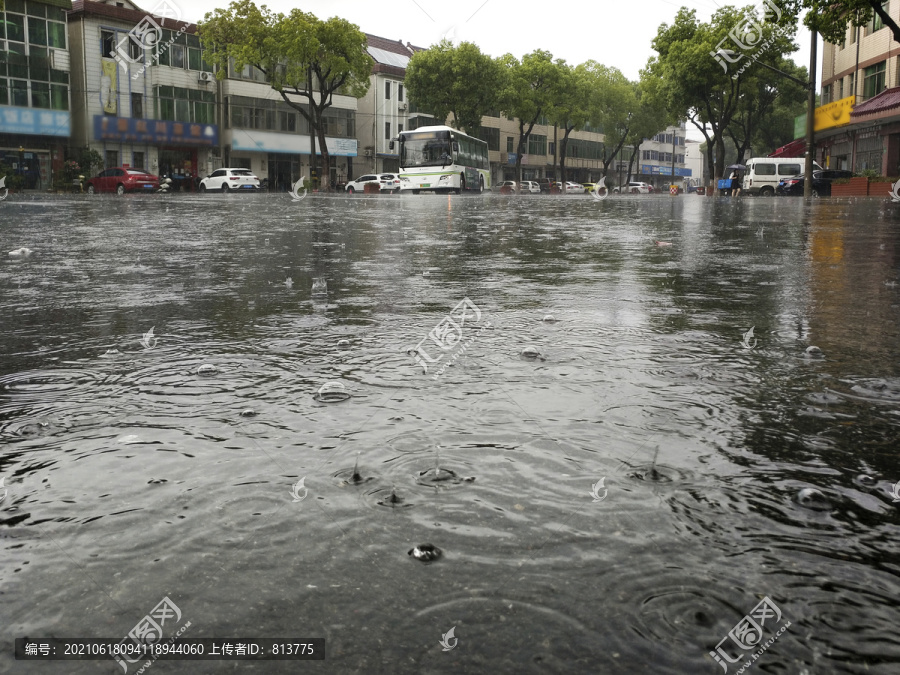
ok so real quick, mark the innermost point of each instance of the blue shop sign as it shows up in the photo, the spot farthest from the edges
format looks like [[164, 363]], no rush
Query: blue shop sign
[[158, 132], [34, 122], [657, 170]]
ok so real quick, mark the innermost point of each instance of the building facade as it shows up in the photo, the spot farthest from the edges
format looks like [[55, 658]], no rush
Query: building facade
[[35, 90], [861, 75], [661, 154], [151, 109]]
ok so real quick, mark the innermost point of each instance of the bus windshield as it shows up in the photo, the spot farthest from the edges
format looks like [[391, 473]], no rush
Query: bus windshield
[[425, 152]]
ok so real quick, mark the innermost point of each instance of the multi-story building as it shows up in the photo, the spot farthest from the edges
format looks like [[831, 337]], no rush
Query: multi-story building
[[385, 109], [265, 134], [35, 84], [861, 75], [694, 160], [152, 109], [660, 154]]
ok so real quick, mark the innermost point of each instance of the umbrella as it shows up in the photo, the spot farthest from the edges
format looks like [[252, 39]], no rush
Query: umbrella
[[737, 167]]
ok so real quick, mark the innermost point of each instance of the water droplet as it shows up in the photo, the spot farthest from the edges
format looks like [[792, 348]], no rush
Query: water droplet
[[813, 499], [249, 412], [814, 352], [207, 369], [549, 319], [426, 552], [531, 353], [332, 392], [343, 343]]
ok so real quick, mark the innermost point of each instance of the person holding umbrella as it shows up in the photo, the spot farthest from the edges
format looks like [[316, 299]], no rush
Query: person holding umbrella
[[735, 178]]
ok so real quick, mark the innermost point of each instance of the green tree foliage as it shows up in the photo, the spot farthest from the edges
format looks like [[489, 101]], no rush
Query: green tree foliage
[[573, 106], [648, 118], [305, 59], [530, 88], [767, 107], [461, 81], [831, 17], [698, 73]]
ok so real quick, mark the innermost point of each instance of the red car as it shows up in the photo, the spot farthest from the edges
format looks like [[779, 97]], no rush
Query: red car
[[121, 180]]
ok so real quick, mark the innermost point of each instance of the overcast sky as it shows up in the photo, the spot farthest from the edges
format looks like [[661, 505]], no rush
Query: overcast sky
[[613, 32]]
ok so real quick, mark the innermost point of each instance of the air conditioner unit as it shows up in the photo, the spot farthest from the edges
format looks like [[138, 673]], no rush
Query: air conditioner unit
[[368, 153], [206, 76], [404, 106]]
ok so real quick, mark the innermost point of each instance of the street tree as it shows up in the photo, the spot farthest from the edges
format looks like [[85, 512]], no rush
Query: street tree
[[453, 80], [530, 87], [303, 58], [699, 68], [831, 17], [648, 118], [614, 103], [572, 108], [767, 106]]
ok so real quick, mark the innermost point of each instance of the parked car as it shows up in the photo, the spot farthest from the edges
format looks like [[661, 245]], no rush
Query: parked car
[[530, 186], [121, 179], [589, 187], [227, 180], [635, 188], [388, 182], [821, 185], [574, 188], [544, 184], [511, 184]]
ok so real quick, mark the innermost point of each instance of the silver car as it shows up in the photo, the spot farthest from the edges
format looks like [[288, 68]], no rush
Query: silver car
[[228, 180]]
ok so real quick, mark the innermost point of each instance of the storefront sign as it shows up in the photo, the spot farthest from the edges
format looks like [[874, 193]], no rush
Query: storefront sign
[[157, 132], [657, 170], [827, 116], [34, 122], [296, 144]]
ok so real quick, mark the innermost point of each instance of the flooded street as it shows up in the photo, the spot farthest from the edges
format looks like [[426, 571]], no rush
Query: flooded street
[[221, 400]]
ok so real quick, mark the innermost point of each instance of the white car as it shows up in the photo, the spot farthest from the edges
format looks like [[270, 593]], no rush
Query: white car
[[530, 186], [635, 188], [228, 180], [511, 184], [389, 182], [574, 188]]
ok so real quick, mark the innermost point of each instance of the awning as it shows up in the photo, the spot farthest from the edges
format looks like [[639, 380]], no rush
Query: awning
[[886, 100], [792, 149]]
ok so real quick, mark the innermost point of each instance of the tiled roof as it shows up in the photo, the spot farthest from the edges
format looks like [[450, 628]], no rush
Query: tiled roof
[[130, 15], [886, 100], [394, 46]]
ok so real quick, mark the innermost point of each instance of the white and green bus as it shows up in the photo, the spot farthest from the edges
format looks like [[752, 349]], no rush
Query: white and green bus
[[442, 159]]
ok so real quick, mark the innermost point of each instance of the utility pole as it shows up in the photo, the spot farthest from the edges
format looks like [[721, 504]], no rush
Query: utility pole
[[810, 115], [674, 138]]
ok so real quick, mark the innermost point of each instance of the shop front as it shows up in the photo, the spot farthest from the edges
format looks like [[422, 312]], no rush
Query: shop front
[[32, 144], [169, 149]]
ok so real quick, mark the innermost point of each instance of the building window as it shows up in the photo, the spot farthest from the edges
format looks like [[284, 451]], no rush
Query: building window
[[509, 144], [19, 93], [551, 148], [399, 129], [400, 93], [875, 23], [874, 80], [387, 90], [537, 144], [138, 160], [826, 94], [137, 105], [288, 121], [112, 158], [107, 43], [387, 130]]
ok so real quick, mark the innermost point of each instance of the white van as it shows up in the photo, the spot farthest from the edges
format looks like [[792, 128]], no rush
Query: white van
[[763, 173]]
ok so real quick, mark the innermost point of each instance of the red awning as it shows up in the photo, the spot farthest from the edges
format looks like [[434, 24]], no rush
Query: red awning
[[792, 149], [886, 100]]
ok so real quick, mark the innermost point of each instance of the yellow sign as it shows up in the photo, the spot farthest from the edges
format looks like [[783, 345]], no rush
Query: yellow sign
[[108, 93], [834, 114]]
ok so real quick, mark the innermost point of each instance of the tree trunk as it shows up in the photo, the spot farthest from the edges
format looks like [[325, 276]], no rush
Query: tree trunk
[[634, 152], [886, 19], [720, 155], [325, 176]]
